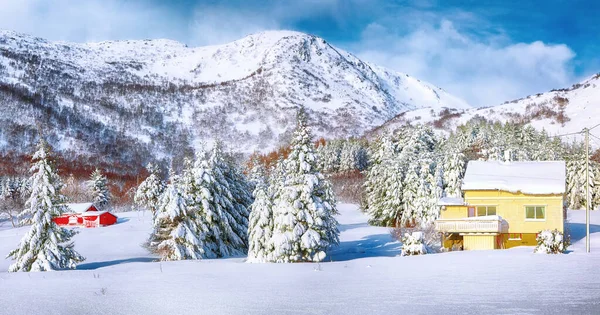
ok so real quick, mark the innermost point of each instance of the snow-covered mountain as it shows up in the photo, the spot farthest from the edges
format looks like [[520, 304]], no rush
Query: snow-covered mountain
[[125, 99], [559, 111]]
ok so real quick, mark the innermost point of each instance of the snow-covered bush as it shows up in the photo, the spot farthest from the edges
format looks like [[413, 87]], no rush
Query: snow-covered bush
[[550, 242], [412, 244]]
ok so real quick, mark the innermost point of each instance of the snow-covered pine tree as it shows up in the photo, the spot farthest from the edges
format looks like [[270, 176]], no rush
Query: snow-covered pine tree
[[575, 183], [429, 192], [150, 190], [256, 171], [330, 153], [176, 235], [98, 188], [196, 189], [384, 193], [232, 198], [46, 246], [383, 185], [410, 193], [260, 230], [347, 157], [453, 172], [304, 224]]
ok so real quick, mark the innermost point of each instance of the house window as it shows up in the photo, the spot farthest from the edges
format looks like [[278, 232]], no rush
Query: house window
[[486, 210], [535, 212]]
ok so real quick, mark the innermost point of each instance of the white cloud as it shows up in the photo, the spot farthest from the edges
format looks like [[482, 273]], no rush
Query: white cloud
[[485, 68], [483, 71], [213, 25], [92, 20]]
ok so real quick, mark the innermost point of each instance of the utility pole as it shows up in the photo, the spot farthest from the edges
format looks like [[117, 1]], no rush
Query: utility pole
[[587, 189]]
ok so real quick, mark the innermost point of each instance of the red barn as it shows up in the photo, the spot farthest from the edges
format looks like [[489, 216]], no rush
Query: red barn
[[85, 214]]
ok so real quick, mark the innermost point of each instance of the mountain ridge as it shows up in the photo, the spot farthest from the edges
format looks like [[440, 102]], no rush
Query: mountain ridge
[[161, 97], [558, 111]]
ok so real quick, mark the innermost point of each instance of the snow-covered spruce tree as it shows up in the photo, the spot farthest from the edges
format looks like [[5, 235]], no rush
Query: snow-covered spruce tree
[[304, 224], [329, 153], [410, 193], [384, 193], [233, 198], [383, 185], [577, 183], [454, 171], [209, 197], [196, 186], [98, 188], [256, 171], [260, 230], [429, 192], [150, 190], [46, 246], [175, 234]]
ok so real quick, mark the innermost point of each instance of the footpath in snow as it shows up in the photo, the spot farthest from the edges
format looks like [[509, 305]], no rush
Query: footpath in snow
[[363, 275]]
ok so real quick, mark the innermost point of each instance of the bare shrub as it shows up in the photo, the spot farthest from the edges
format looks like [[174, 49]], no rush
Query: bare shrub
[[445, 116], [348, 187]]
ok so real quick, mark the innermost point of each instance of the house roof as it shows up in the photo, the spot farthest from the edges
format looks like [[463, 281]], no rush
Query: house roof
[[79, 207], [547, 177], [451, 201], [95, 213]]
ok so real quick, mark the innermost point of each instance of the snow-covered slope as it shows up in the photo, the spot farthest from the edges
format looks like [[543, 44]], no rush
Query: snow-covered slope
[[365, 276], [161, 93], [558, 111]]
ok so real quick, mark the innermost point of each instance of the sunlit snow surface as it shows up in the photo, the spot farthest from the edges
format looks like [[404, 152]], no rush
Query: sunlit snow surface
[[365, 277]]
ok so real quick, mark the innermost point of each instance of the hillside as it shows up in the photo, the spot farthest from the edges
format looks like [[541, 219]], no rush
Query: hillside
[[130, 101], [558, 111]]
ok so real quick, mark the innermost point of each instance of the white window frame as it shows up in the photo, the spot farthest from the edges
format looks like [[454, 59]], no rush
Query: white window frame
[[486, 209], [535, 212], [515, 239]]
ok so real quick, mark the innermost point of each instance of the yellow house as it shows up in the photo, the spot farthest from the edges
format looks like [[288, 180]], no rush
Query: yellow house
[[504, 205]]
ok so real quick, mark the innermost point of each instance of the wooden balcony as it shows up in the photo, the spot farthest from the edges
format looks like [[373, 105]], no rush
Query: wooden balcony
[[471, 225]]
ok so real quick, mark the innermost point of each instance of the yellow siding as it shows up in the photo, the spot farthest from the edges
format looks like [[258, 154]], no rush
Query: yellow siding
[[479, 242], [526, 240], [511, 207], [454, 212]]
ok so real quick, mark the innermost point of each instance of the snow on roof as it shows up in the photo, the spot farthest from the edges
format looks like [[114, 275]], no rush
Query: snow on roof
[[547, 177], [93, 213], [451, 201], [79, 207]]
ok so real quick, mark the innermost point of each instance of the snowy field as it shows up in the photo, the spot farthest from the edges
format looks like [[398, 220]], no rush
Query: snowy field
[[365, 276]]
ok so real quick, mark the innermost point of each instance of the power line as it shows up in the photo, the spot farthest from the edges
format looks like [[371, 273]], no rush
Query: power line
[[594, 127], [567, 134]]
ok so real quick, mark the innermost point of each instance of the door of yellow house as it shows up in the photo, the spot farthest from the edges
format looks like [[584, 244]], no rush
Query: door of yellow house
[[479, 241]]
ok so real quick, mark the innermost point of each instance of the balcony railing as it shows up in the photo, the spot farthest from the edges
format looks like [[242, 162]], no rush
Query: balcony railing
[[471, 226]]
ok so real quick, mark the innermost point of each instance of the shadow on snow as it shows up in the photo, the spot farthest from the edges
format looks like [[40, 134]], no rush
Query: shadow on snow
[[122, 220], [102, 264], [377, 245], [577, 231]]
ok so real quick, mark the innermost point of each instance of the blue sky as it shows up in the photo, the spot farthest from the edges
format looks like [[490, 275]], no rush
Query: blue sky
[[484, 51]]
